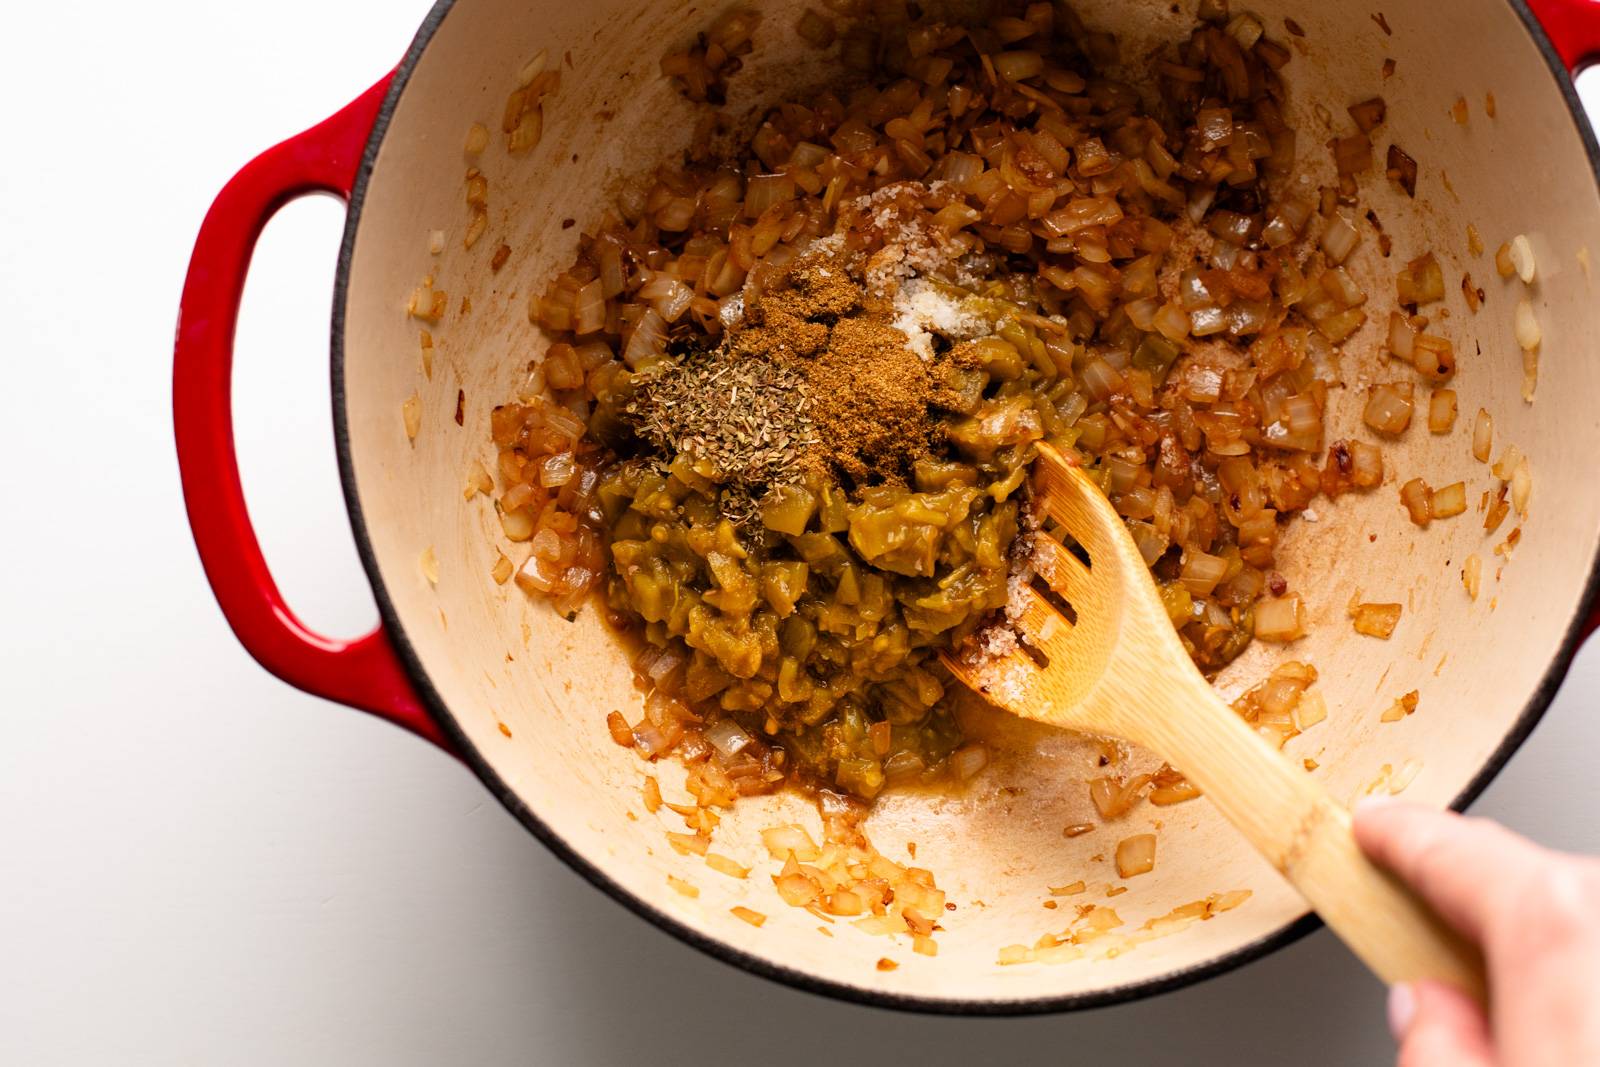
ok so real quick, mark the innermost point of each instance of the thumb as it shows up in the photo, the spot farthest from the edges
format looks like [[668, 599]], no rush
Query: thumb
[[1439, 1026]]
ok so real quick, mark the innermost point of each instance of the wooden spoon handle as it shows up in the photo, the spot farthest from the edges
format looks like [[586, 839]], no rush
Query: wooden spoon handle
[[1306, 835]]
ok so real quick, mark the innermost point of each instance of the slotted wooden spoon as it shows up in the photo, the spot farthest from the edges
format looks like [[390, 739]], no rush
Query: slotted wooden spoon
[[1120, 669]]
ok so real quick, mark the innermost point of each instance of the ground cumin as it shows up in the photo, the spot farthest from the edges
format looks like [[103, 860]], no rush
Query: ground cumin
[[870, 394]]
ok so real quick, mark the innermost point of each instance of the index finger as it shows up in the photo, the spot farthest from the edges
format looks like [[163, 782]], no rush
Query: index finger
[[1457, 865]]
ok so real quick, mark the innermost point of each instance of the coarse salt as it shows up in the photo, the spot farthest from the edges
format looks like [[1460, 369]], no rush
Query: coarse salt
[[922, 310]]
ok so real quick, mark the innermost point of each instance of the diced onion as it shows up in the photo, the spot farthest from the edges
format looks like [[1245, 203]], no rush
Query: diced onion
[[1442, 411], [1232, 226], [1338, 284], [1503, 264], [968, 760], [1408, 770], [533, 68], [1402, 707], [589, 308], [1192, 291], [1507, 463], [1113, 798], [1247, 317], [1136, 855], [1215, 126], [1018, 66], [1202, 572], [517, 525], [411, 415], [1421, 282], [1521, 487], [1311, 709], [1171, 322], [1482, 436], [1449, 501], [1101, 379], [782, 841], [816, 30], [726, 736], [648, 341], [1369, 114], [1418, 501], [1433, 357], [724, 865], [537, 575], [1402, 337], [1278, 233], [1375, 620], [1340, 238], [1388, 409], [1206, 321], [1302, 415], [960, 168], [1527, 327], [765, 190], [1338, 328], [1280, 620], [1522, 260]]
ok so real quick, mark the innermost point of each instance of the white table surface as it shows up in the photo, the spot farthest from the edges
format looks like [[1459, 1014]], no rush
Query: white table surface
[[201, 865]]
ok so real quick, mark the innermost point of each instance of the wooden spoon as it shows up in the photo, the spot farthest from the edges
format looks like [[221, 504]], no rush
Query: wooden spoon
[[1120, 669]]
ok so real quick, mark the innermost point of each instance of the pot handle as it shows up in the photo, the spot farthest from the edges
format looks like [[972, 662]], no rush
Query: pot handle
[[364, 673], [1573, 26]]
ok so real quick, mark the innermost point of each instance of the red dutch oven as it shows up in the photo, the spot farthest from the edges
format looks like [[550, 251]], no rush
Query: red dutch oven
[[521, 695]]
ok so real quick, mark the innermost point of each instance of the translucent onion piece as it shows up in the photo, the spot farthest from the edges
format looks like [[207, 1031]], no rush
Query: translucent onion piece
[[1527, 327], [1522, 260], [1521, 487], [1340, 238], [1136, 855], [1402, 337], [1449, 501], [1442, 411], [1280, 620], [1482, 436], [1418, 501], [1388, 409]]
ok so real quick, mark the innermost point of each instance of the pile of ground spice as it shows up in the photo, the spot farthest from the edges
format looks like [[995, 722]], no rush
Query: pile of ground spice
[[813, 380], [871, 394]]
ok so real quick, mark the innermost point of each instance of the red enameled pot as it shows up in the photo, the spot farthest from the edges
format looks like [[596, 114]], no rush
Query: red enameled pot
[[456, 661]]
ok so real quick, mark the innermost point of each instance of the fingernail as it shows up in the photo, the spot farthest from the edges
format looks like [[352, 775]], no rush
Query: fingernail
[[1402, 1010], [1373, 805]]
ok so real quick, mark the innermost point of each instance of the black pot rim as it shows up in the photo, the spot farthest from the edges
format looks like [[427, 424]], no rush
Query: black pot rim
[[1532, 712]]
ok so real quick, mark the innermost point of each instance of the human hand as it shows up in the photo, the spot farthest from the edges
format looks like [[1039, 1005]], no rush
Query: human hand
[[1536, 915]]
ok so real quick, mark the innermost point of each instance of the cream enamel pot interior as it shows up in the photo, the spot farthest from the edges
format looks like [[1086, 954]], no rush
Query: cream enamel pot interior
[[457, 660]]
